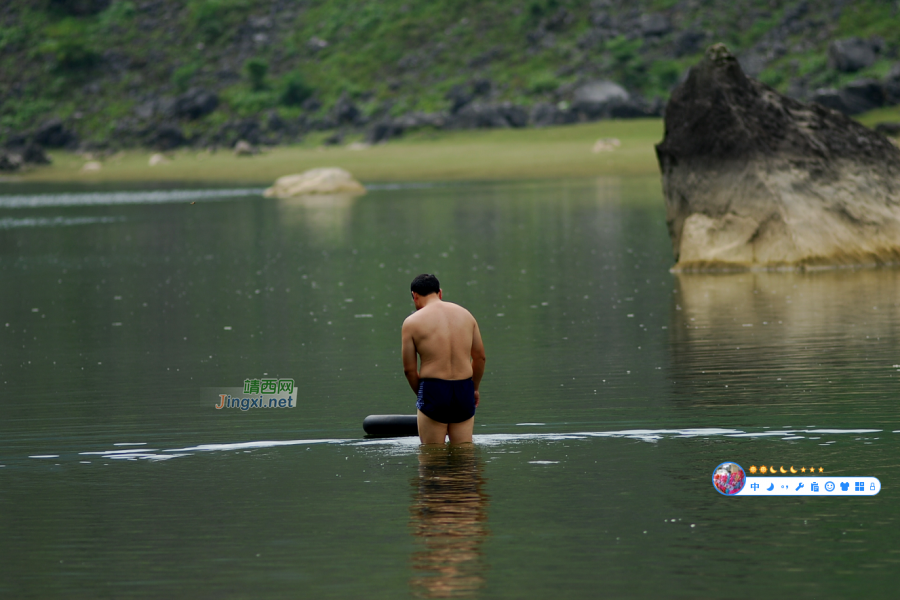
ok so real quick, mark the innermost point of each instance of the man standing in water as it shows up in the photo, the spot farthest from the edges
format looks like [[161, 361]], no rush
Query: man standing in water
[[447, 340]]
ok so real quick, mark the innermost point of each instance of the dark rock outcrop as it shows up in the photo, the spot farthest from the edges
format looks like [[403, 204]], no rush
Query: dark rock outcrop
[[890, 128], [594, 98], [15, 157], [892, 86], [193, 104], [383, 131], [545, 114], [688, 42], [334, 139], [54, 134], [851, 54], [478, 116], [243, 129], [462, 95], [346, 111], [80, 8], [655, 24], [32, 154], [607, 100], [274, 122], [756, 180], [167, 136], [416, 120], [459, 96], [311, 104], [9, 162], [390, 128], [855, 98]]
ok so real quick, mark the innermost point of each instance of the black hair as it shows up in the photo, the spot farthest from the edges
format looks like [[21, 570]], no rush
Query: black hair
[[425, 284]]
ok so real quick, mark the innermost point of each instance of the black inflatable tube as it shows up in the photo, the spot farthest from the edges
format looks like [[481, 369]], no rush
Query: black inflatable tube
[[391, 425]]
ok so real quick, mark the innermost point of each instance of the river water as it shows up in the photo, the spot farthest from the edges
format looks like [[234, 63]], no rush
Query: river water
[[613, 389]]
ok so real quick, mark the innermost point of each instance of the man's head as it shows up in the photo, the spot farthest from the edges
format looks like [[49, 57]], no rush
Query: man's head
[[422, 287]]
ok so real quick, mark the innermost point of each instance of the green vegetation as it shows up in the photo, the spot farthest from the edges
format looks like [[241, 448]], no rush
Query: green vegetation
[[10, 37], [70, 46], [880, 115], [256, 70], [392, 56], [17, 114], [182, 76], [293, 89], [245, 103], [211, 19], [119, 14], [542, 82]]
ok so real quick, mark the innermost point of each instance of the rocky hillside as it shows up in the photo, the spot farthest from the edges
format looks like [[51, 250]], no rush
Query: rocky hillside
[[104, 74]]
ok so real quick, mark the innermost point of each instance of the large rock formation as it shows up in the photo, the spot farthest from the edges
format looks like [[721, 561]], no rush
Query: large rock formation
[[756, 180]]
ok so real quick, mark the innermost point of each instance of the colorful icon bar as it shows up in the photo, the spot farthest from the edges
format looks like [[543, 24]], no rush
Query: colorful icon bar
[[810, 486], [792, 470]]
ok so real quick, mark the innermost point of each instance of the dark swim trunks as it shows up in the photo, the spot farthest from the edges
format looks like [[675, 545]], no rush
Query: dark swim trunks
[[447, 401]]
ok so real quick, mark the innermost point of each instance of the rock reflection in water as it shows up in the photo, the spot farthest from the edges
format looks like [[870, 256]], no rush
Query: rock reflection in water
[[325, 217], [772, 330], [448, 516]]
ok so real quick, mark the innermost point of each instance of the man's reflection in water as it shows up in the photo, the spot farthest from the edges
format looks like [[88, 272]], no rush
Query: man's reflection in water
[[448, 514]]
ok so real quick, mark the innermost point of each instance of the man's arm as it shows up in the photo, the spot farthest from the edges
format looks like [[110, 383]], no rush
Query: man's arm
[[408, 352], [478, 360]]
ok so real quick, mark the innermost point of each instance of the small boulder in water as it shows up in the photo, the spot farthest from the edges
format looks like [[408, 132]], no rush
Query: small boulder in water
[[324, 180]]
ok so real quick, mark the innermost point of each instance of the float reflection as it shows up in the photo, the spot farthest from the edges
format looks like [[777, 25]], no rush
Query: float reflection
[[448, 516]]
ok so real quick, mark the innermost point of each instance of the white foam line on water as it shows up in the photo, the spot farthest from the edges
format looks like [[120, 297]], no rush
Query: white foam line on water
[[838, 430], [251, 445], [130, 444], [412, 442], [111, 452], [399, 186], [10, 223], [792, 432], [143, 456], [493, 439], [108, 198], [45, 456], [644, 435]]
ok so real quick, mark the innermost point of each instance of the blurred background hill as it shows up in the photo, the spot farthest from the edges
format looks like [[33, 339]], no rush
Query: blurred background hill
[[105, 74]]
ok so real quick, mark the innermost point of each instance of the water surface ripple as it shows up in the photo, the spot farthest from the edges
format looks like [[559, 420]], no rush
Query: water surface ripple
[[613, 389]]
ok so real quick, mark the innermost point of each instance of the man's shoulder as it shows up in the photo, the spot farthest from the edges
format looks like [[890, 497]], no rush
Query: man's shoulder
[[460, 310], [455, 306]]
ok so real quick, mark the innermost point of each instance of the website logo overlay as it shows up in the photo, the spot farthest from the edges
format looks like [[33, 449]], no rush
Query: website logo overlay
[[261, 393]]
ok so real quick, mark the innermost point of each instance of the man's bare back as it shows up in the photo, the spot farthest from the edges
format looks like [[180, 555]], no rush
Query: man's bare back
[[446, 338]]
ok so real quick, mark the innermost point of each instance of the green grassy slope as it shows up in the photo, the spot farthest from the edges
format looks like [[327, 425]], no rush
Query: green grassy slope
[[446, 156], [91, 62]]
